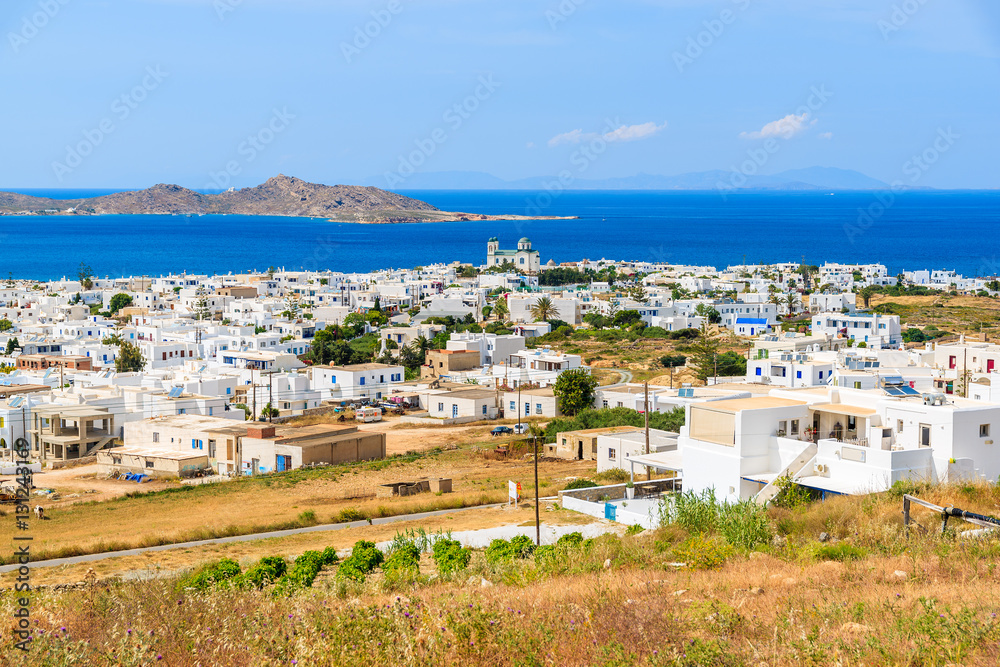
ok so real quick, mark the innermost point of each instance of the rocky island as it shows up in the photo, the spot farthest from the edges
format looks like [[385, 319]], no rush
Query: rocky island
[[278, 196]]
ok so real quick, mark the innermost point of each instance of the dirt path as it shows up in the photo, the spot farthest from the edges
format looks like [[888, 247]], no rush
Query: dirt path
[[82, 483]]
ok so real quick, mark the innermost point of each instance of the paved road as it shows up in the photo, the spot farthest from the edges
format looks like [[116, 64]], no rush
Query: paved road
[[74, 560]]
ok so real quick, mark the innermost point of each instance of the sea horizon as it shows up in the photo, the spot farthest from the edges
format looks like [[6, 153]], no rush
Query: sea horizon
[[902, 231]]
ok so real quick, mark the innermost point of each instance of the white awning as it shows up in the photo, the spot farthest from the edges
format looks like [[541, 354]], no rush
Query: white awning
[[661, 460]]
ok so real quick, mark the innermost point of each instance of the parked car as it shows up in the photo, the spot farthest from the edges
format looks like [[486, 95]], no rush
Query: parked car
[[502, 430], [520, 429]]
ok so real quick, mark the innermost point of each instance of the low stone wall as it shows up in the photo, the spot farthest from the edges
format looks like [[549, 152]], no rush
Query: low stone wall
[[615, 491]]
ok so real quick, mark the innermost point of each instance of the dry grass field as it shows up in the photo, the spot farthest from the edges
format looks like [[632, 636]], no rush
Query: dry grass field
[[873, 594], [289, 500]]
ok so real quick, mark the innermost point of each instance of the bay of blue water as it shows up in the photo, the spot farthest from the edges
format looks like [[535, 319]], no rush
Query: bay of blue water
[[954, 230]]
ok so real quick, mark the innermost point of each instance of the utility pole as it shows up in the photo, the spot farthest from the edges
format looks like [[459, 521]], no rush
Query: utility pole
[[270, 398], [538, 522], [715, 374], [645, 414], [253, 390]]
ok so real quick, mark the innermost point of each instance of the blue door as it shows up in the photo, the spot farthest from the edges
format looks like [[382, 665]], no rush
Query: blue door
[[454, 410]]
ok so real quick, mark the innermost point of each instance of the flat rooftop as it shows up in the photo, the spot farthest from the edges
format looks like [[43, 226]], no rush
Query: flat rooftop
[[753, 403]]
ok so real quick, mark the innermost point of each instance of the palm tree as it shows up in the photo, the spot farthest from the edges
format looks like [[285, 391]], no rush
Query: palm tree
[[500, 308], [543, 309], [792, 302]]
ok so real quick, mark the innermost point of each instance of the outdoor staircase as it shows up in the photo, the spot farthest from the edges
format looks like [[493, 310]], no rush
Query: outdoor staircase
[[100, 444], [805, 457]]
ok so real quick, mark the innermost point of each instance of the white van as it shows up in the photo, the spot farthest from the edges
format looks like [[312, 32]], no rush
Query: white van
[[368, 414]]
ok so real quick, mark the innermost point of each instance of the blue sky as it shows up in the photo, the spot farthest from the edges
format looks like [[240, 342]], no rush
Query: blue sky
[[127, 93]]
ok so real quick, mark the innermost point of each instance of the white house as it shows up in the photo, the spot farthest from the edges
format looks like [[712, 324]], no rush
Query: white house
[[875, 330], [356, 382]]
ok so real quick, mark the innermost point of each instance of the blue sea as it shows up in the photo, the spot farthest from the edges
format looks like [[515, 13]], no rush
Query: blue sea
[[915, 230]]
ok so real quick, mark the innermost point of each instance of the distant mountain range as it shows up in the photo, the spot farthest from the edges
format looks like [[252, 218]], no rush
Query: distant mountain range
[[811, 178]]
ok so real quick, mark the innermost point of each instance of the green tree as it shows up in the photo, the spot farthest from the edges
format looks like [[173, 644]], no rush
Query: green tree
[[792, 302], [866, 293], [626, 318], [543, 309], [12, 345], [119, 301], [268, 411], [201, 307], [704, 351], [129, 359], [85, 275], [673, 360], [709, 313], [501, 309], [574, 390], [6, 325]]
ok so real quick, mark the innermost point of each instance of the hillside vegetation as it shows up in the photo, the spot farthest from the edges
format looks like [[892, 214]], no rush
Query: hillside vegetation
[[716, 585]]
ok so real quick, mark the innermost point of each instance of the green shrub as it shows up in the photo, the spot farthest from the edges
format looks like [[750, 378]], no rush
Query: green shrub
[[580, 484], [634, 529], [522, 545], [570, 540], [499, 550], [212, 574], [303, 571], [703, 552], [404, 558], [544, 551], [308, 517], [613, 476], [451, 556], [790, 494], [840, 552], [349, 514], [364, 558], [267, 570]]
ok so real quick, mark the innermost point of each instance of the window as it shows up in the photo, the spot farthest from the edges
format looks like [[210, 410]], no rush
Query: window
[[362, 381], [611, 454], [782, 427], [984, 430], [149, 464], [857, 385], [156, 436], [484, 410], [821, 375], [229, 390], [513, 406], [197, 444], [333, 379], [798, 375], [538, 408], [925, 435], [795, 427], [899, 426], [758, 370], [604, 403], [440, 407], [852, 423]]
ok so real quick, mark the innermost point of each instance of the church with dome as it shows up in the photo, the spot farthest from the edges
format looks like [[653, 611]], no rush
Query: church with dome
[[524, 258]]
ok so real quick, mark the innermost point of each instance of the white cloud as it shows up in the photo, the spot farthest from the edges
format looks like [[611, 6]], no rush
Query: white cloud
[[531, 144], [623, 133], [786, 127], [826, 135], [571, 137]]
